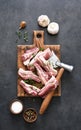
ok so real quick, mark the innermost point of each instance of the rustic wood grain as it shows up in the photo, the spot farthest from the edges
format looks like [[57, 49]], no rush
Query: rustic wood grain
[[38, 40]]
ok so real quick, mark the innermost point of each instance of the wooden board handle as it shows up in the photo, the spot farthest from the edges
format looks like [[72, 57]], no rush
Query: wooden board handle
[[49, 96], [38, 38]]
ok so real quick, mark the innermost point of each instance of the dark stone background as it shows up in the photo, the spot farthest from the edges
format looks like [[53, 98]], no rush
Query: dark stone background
[[64, 113]]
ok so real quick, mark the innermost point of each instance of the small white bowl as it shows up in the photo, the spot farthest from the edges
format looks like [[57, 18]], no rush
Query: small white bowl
[[16, 106]]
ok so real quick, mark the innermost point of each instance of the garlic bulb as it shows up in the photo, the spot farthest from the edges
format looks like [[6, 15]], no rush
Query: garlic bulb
[[43, 20], [53, 28]]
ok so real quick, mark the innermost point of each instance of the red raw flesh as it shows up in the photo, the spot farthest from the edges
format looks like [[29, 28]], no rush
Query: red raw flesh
[[39, 60], [51, 84], [28, 75], [29, 53], [28, 88], [42, 74], [35, 58], [50, 70], [26, 62], [42, 54], [47, 53]]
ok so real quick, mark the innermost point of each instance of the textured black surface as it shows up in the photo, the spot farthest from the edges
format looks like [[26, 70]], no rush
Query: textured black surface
[[64, 113]]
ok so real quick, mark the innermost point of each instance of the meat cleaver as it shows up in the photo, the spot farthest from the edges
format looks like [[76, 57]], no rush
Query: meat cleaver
[[55, 62]]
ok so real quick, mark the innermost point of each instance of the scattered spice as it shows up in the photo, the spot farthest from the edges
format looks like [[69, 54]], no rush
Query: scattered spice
[[30, 115], [22, 24], [20, 33]]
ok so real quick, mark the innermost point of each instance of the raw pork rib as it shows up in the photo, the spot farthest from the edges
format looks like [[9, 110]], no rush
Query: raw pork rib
[[36, 60], [45, 55], [26, 74], [50, 70], [29, 89], [27, 61], [42, 74], [45, 64], [51, 84], [29, 53]]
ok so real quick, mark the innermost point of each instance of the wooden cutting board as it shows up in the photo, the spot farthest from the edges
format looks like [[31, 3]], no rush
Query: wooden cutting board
[[38, 41]]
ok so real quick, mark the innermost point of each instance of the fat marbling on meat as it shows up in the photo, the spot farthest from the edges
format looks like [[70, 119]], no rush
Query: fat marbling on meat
[[50, 85], [29, 89], [42, 74], [38, 60], [26, 74], [29, 53]]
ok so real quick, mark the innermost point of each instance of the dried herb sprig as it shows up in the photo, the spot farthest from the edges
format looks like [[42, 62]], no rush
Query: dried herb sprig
[[26, 36], [19, 34], [29, 81], [41, 49]]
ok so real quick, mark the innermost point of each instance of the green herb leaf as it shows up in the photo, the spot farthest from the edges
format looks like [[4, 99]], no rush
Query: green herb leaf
[[41, 49], [19, 34], [26, 36], [29, 81]]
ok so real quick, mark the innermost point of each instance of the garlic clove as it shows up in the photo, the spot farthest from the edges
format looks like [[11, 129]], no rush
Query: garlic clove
[[22, 24], [53, 28], [43, 20]]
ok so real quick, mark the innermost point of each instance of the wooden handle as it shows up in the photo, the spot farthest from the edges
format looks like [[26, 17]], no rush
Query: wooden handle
[[49, 96], [38, 38]]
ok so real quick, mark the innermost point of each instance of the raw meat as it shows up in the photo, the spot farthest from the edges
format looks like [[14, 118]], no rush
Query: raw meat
[[45, 55], [35, 59], [28, 88], [39, 70], [42, 74], [29, 53], [26, 74], [50, 70], [51, 84]]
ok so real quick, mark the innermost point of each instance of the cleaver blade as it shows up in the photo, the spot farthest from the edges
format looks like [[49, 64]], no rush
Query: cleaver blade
[[55, 62]]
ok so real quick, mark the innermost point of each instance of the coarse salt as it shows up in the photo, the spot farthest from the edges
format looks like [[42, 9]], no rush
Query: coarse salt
[[16, 107]]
